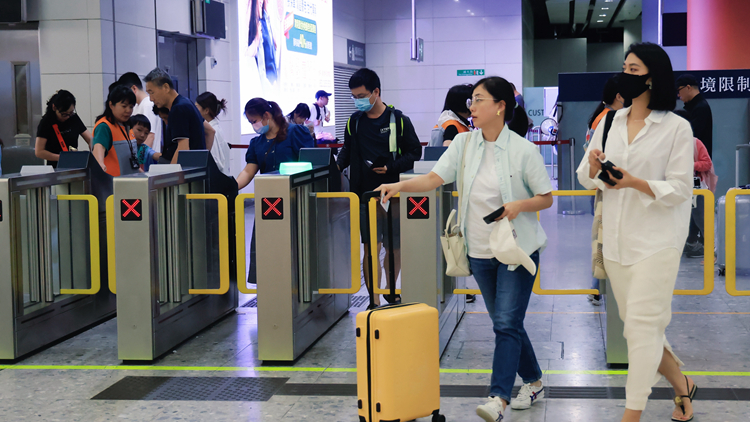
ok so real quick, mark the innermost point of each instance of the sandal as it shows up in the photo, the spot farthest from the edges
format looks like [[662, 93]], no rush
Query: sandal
[[679, 402]]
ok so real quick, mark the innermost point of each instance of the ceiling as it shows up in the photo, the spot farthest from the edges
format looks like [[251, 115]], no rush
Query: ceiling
[[576, 17]]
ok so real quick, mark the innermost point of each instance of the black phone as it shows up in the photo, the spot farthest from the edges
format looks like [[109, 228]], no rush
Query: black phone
[[379, 162], [490, 218], [604, 176]]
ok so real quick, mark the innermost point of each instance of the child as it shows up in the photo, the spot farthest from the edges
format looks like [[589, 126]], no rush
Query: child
[[141, 128]]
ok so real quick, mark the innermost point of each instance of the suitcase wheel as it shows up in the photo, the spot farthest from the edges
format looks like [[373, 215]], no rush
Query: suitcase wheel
[[437, 417], [722, 271]]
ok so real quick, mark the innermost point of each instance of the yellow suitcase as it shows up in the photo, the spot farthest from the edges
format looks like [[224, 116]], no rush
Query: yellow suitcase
[[398, 364]]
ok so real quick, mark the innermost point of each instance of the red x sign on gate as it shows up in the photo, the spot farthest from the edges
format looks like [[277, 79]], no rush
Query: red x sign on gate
[[272, 209], [130, 209], [417, 207]]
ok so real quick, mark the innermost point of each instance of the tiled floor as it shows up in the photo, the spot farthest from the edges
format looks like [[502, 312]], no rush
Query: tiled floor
[[565, 331]]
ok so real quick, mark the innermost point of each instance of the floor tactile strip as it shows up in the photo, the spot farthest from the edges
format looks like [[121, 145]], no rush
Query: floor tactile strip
[[262, 389], [193, 388]]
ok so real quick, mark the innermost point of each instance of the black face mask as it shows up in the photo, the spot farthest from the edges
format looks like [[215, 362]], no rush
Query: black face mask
[[631, 86]]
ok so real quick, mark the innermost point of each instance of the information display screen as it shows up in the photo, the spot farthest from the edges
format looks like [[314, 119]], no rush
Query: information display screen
[[286, 53]]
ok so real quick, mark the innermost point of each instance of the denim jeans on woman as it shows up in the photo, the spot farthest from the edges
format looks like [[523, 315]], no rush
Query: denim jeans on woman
[[506, 295]]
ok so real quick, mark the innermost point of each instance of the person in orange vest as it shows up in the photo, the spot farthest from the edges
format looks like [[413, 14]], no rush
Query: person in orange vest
[[115, 147], [611, 100], [455, 116]]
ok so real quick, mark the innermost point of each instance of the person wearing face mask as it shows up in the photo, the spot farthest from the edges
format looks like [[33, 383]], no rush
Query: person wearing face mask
[[59, 128], [375, 156], [500, 168], [645, 219], [115, 147], [278, 142]]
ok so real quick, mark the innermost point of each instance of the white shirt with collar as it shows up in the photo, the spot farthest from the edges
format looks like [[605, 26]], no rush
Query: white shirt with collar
[[635, 225], [520, 169]]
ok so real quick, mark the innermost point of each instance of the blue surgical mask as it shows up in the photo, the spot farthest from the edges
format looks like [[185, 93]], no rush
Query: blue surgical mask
[[262, 130], [363, 104]]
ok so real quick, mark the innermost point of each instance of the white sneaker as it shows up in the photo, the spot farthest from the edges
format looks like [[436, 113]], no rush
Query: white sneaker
[[492, 411], [527, 396]]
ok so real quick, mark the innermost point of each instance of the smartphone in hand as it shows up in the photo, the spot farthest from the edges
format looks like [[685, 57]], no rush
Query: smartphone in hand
[[490, 218], [607, 166]]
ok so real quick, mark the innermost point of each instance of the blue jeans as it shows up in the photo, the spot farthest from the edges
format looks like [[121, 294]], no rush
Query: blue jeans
[[506, 294]]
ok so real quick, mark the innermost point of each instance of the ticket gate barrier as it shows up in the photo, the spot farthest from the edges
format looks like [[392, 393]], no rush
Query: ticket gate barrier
[[52, 244], [307, 259], [423, 266], [172, 253]]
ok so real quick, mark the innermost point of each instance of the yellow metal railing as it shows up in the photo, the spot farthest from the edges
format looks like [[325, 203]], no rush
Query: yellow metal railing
[[708, 273], [708, 246], [223, 243], [93, 244], [111, 257], [354, 233], [731, 242], [373, 226], [239, 223]]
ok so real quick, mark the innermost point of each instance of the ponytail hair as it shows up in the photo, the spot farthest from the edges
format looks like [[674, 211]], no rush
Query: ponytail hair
[[608, 98], [62, 100], [502, 90], [259, 107], [212, 104]]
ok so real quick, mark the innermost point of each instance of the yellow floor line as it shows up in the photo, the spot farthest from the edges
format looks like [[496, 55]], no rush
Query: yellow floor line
[[673, 313], [327, 370]]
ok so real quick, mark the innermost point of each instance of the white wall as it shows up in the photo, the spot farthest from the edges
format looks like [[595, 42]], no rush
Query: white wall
[[490, 39], [348, 23], [85, 45], [73, 51]]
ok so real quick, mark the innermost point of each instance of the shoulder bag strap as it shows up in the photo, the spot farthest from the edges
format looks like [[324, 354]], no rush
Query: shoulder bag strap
[[60, 139], [461, 179], [607, 126]]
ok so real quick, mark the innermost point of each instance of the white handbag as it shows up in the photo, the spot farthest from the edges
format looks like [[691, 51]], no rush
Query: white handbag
[[452, 240]]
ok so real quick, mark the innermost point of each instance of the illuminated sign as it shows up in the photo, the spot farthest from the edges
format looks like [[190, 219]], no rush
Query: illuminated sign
[[418, 208], [131, 210], [272, 209], [301, 35]]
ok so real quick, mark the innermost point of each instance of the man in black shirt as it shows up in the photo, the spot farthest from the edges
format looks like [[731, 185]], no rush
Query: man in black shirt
[[700, 112], [185, 128], [375, 156]]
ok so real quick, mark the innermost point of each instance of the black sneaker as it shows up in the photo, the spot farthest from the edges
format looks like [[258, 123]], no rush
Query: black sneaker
[[694, 250], [471, 298]]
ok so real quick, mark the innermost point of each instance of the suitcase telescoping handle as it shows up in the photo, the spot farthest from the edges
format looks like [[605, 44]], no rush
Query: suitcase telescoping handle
[[366, 197], [373, 243]]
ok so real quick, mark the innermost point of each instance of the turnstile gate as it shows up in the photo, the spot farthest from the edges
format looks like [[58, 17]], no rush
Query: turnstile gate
[[172, 253], [423, 266], [53, 280], [304, 252]]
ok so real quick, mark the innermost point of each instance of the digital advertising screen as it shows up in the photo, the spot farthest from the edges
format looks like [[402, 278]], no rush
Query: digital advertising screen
[[286, 52]]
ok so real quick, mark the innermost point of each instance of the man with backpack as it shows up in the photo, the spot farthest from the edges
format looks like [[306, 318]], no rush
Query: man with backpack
[[379, 144], [319, 113]]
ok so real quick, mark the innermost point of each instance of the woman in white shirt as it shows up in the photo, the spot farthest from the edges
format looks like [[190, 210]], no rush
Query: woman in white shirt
[[645, 220], [210, 107], [502, 169]]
